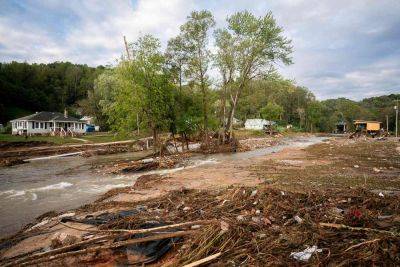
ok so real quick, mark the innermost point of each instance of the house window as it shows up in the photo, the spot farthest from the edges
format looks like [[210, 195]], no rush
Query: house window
[[45, 125], [33, 125], [37, 124]]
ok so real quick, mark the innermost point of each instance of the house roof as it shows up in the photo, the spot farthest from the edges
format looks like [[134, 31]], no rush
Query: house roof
[[48, 116], [363, 121], [259, 121]]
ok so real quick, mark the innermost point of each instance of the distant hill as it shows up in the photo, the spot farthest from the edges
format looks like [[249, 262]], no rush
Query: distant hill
[[26, 88], [373, 108]]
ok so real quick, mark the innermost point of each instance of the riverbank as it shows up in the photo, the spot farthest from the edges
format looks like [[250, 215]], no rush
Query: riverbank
[[288, 198], [61, 183]]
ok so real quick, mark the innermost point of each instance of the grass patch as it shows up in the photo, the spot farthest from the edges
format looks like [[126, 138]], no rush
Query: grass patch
[[50, 139], [244, 134]]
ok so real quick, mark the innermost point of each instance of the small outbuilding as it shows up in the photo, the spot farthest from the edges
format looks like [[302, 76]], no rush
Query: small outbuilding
[[341, 127], [257, 124]]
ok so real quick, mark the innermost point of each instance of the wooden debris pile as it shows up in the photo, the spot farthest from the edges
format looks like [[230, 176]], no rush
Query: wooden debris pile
[[245, 226], [148, 164]]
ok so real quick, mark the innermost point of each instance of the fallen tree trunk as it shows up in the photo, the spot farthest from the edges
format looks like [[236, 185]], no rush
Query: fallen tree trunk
[[110, 246]]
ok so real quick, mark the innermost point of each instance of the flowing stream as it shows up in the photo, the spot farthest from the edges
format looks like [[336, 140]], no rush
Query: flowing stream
[[31, 189]]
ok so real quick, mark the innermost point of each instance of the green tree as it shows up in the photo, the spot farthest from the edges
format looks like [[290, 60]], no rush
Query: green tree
[[176, 59], [254, 44], [313, 115], [272, 111], [194, 34]]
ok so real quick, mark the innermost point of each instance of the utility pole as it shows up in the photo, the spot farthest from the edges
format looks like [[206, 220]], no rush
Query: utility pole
[[387, 124], [126, 48], [397, 115]]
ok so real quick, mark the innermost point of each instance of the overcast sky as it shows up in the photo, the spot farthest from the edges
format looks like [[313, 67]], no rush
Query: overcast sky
[[341, 48]]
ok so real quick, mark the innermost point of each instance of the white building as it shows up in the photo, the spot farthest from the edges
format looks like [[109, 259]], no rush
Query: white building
[[47, 123], [257, 124]]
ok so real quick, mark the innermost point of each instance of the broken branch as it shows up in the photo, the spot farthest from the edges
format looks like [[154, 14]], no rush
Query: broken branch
[[205, 260], [110, 246], [363, 243], [140, 231], [343, 226]]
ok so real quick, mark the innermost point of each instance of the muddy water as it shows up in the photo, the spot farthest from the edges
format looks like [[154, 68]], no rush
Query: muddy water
[[31, 189]]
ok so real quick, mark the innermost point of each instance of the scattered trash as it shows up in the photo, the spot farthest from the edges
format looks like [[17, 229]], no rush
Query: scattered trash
[[356, 166], [337, 210], [240, 218], [253, 193], [306, 254], [63, 239], [224, 227], [298, 219], [381, 194], [376, 169], [256, 219]]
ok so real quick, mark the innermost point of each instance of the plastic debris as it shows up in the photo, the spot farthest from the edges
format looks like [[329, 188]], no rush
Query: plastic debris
[[224, 227], [253, 193], [306, 254], [298, 219], [376, 169], [240, 218]]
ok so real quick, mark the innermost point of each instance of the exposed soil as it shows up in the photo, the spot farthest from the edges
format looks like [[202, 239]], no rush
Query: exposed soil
[[13, 153], [341, 196]]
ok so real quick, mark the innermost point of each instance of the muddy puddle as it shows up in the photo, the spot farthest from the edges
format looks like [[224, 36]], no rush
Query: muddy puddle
[[29, 190]]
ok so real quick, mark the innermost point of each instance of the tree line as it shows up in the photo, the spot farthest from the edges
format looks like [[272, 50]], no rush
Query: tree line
[[26, 88]]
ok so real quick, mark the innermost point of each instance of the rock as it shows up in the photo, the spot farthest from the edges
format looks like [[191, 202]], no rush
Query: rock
[[356, 166], [376, 169], [187, 208]]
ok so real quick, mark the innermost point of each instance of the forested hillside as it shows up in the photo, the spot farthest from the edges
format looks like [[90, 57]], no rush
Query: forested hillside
[[26, 88]]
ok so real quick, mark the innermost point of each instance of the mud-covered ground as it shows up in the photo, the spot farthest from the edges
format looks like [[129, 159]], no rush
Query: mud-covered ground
[[339, 199]]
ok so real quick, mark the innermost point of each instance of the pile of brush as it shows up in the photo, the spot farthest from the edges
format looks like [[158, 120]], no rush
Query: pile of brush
[[259, 226]]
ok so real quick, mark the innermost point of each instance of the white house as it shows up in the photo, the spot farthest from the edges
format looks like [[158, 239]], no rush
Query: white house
[[257, 124], [47, 123]]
